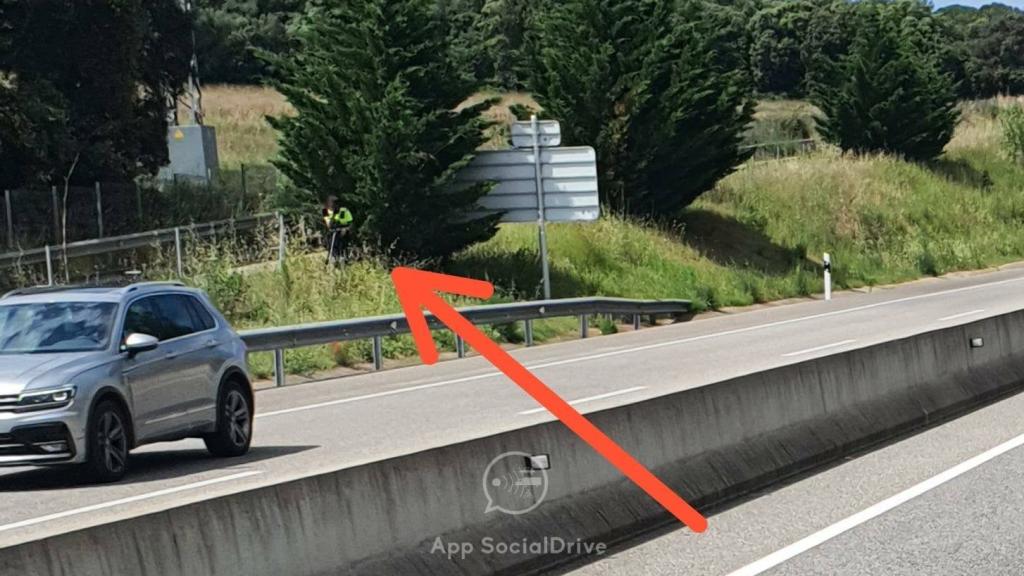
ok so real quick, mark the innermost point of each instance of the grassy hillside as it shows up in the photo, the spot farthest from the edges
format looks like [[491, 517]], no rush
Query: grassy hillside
[[758, 236]]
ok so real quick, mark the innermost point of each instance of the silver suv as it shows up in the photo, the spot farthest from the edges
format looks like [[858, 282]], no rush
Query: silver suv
[[87, 374]]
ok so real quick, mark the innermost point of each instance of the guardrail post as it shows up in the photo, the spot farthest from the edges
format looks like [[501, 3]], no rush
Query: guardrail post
[[378, 353], [636, 321], [279, 367], [177, 251], [49, 266], [583, 325], [528, 330], [460, 346], [99, 210], [10, 219]]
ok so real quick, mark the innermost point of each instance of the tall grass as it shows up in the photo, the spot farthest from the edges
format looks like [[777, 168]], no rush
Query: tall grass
[[239, 115]]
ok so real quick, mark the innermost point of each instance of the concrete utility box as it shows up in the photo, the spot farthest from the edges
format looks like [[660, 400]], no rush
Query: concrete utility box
[[193, 153]]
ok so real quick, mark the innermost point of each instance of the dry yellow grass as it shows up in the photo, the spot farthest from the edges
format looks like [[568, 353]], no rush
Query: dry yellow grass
[[239, 115]]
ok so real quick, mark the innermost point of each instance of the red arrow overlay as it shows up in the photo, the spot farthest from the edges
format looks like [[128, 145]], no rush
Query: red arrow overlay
[[417, 290]]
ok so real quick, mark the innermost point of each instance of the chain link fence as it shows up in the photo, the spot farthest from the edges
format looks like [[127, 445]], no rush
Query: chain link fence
[[39, 217]]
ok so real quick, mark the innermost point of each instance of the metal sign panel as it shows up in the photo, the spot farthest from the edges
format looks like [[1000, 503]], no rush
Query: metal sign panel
[[550, 133], [569, 177]]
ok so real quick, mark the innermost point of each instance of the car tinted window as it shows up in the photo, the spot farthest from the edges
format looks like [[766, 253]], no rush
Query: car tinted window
[[202, 318], [175, 315], [142, 318]]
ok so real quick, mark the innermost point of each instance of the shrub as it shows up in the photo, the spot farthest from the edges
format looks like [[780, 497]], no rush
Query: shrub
[[1012, 120]]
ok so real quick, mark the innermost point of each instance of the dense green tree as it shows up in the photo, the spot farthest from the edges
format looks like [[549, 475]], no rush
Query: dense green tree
[[85, 86], [229, 33], [487, 38], [658, 88], [777, 33], [378, 124], [888, 93]]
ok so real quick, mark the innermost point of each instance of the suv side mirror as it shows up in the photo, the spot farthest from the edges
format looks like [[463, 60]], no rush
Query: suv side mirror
[[136, 343]]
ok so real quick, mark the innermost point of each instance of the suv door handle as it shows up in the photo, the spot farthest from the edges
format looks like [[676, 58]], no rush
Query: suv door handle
[[212, 343], [171, 355]]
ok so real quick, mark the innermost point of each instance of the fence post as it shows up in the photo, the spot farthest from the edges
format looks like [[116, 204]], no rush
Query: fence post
[[99, 210], [49, 267], [528, 329], [138, 206], [378, 353], [10, 219], [279, 368], [177, 251], [245, 189], [636, 321], [282, 244], [583, 325], [460, 346], [56, 214]]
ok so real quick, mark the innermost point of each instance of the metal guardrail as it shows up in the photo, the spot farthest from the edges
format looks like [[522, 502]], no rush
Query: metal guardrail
[[131, 241], [377, 327]]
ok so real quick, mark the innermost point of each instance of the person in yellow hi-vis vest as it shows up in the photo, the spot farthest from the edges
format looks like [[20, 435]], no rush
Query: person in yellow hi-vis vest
[[338, 221]]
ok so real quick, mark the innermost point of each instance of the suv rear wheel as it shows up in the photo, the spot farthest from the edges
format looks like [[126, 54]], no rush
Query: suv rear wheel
[[107, 444], [234, 422]]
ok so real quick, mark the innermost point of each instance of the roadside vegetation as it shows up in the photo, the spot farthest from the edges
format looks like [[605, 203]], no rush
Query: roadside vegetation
[[757, 237]]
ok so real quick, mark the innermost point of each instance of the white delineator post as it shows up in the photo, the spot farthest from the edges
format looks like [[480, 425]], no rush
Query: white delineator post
[[828, 276]]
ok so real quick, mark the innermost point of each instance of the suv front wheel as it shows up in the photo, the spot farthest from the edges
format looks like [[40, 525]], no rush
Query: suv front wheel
[[107, 444], [234, 422]]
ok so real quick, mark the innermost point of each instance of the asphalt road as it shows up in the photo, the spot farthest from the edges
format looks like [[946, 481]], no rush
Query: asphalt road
[[946, 501], [326, 426]]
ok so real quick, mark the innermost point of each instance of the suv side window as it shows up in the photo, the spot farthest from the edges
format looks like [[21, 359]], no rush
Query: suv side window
[[142, 318], [201, 316], [175, 316]]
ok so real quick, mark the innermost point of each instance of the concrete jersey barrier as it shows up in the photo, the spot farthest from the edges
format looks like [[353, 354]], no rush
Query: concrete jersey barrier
[[712, 443]]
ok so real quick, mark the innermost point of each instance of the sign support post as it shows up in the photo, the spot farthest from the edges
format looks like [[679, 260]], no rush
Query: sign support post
[[541, 219]]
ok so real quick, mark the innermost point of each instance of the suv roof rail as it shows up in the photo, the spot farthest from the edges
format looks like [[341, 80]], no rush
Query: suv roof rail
[[137, 285], [68, 287], [45, 290]]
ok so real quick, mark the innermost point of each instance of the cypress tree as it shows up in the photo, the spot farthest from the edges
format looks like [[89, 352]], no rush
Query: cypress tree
[[888, 94], [660, 89], [378, 124]]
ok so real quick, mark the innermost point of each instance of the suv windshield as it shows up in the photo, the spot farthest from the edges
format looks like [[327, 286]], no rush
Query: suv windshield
[[55, 327]]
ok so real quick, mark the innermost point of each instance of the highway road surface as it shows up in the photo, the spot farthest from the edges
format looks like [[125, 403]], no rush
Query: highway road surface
[[947, 501], [320, 427]]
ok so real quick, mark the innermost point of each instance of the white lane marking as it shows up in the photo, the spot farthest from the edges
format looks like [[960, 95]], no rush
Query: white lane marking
[[590, 399], [655, 346], [129, 500], [822, 536], [818, 348], [961, 315]]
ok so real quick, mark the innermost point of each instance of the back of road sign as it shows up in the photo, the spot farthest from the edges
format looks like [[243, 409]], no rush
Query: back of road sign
[[549, 132], [569, 180]]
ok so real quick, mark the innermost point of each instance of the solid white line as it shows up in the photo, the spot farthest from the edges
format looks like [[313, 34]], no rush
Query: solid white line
[[657, 345], [801, 546], [818, 348], [961, 315], [112, 503], [589, 399]]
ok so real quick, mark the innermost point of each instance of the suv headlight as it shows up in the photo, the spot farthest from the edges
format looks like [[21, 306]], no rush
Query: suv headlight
[[45, 400]]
